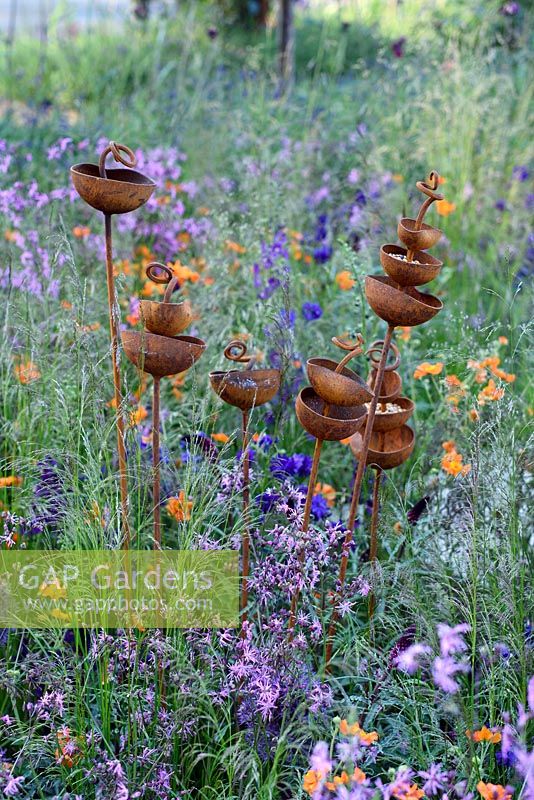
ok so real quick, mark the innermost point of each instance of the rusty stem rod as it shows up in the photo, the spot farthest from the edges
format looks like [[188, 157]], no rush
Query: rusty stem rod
[[353, 351], [373, 543], [357, 487], [245, 542], [156, 464], [114, 333]]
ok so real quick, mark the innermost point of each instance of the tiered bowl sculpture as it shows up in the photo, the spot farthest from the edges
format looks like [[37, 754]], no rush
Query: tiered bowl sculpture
[[394, 298], [160, 352], [331, 409], [245, 389], [114, 191]]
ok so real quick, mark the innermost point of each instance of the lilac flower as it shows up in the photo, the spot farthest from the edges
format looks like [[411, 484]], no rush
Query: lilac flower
[[12, 785], [408, 660], [353, 177], [311, 311], [320, 759], [443, 672], [450, 639], [435, 779], [509, 9]]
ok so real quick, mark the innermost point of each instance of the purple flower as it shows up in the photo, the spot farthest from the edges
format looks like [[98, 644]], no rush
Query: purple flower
[[443, 672], [297, 465], [320, 759], [509, 9], [435, 779], [397, 47], [529, 202], [520, 173], [322, 254], [319, 508], [311, 311], [212, 32], [500, 204], [451, 639], [267, 500], [408, 660]]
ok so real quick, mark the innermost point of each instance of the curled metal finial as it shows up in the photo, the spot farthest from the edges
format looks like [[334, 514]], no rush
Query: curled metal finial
[[354, 349], [377, 347], [116, 149], [428, 187], [236, 350], [168, 277]]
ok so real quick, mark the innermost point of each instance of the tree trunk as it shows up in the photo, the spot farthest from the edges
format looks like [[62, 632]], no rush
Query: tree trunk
[[286, 39]]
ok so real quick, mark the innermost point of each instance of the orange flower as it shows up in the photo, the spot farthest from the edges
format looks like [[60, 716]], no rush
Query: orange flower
[[427, 369], [312, 781], [180, 507], [441, 180], [358, 776], [81, 231], [203, 211], [493, 791], [406, 333], [345, 441], [339, 780], [220, 437], [137, 416], [448, 446], [444, 208], [474, 416], [484, 735], [490, 392], [397, 177], [397, 527], [69, 751], [452, 462], [328, 492], [184, 273], [355, 730], [234, 247], [453, 380], [66, 304], [344, 280], [10, 480], [27, 371], [502, 340]]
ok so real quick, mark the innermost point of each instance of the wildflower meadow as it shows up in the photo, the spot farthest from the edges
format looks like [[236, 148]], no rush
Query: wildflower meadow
[[394, 662]]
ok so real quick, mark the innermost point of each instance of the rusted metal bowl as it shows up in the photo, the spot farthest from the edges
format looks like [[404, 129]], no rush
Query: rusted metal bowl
[[408, 273], [161, 355], [422, 239], [388, 421], [123, 190], [391, 386], [388, 449], [166, 319], [398, 307], [246, 388], [341, 422], [344, 388]]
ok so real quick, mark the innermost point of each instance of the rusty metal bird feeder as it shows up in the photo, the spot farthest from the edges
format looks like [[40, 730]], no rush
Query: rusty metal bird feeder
[[245, 389], [160, 353], [114, 191], [387, 443]]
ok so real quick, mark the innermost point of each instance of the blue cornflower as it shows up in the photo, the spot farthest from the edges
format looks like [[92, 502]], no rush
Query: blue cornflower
[[267, 500], [319, 508], [297, 465], [500, 205], [322, 254], [311, 311], [520, 173]]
